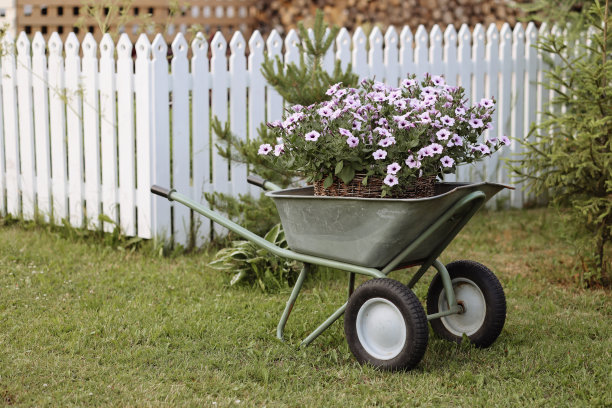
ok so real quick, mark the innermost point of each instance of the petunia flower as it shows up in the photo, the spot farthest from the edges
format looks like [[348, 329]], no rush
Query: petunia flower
[[476, 123], [391, 180], [447, 120], [264, 149], [345, 132], [443, 134], [379, 154], [412, 162], [352, 141], [393, 168], [279, 149], [312, 136], [447, 161]]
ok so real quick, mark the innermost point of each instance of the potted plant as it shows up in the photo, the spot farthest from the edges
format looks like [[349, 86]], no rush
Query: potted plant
[[381, 141]]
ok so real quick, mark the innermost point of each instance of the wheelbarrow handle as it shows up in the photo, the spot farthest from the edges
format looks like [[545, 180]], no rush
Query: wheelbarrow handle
[[162, 191], [259, 182]]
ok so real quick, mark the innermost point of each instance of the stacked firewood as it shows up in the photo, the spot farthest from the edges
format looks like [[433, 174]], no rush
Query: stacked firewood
[[283, 15]]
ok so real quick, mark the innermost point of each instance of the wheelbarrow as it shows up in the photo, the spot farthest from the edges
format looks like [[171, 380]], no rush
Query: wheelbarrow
[[384, 322]]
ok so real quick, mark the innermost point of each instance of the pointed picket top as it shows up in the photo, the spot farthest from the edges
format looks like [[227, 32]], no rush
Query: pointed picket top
[[292, 41], [124, 46], [464, 33], [23, 44], [391, 37], [274, 43], [238, 43], [256, 42], [55, 44], [543, 29], [492, 33], [479, 33], [343, 40], [8, 44], [89, 46], [143, 47], [179, 46], [359, 38], [421, 35], [436, 34], [450, 34], [556, 30], [72, 45], [532, 32], [218, 45], [199, 45], [506, 32], [159, 47], [406, 37], [518, 32], [376, 38], [107, 46], [38, 43]]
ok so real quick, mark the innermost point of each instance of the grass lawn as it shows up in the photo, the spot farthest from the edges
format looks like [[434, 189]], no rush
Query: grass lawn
[[83, 324]]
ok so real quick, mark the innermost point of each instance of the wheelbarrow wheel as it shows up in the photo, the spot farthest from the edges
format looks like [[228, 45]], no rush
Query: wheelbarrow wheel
[[385, 325], [482, 297]]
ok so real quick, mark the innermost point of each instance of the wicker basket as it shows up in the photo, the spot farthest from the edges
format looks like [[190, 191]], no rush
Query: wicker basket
[[353, 189], [422, 187]]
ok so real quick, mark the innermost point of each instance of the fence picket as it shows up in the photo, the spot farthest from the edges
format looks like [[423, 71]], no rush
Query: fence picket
[[391, 60], [144, 117], [450, 71], [125, 135], [421, 51], [238, 107], [275, 101], [26, 126], [435, 51], [360, 56], [74, 119], [491, 90], [504, 103], [518, 113], [375, 55], [160, 143], [57, 106], [478, 171], [108, 133], [181, 162], [464, 54], [406, 60], [91, 132], [256, 91], [11, 141], [343, 48], [200, 131]]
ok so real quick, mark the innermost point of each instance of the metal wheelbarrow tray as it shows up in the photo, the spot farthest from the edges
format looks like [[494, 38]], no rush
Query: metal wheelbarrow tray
[[384, 322]]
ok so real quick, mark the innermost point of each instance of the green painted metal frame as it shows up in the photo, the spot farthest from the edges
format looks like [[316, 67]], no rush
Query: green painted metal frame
[[464, 208]]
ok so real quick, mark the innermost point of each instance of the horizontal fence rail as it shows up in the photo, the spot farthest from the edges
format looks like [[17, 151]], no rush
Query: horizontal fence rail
[[86, 129]]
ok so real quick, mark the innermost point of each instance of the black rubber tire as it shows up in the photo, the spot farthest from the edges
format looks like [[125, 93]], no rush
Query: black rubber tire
[[417, 333], [494, 298]]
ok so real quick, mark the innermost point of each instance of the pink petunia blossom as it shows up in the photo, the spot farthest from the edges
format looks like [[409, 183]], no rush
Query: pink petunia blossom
[[436, 148], [393, 168], [424, 117], [486, 103], [443, 134], [412, 162], [345, 132], [386, 142], [407, 83], [312, 136], [264, 149], [391, 180], [325, 111], [447, 120], [447, 161], [476, 123], [352, 141], [460, 111], [505, 140], [333, 89], [379, 154], [438, 80], [279, 149]]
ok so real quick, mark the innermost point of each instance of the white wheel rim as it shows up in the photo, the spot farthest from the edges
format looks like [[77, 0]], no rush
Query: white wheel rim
[[381, 328], [470, 296]]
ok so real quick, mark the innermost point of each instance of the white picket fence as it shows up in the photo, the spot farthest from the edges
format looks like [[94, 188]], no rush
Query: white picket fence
[[86, 129]]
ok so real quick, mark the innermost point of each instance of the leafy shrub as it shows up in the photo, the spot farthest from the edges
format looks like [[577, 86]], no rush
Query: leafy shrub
[[250, 265], [574, 166]]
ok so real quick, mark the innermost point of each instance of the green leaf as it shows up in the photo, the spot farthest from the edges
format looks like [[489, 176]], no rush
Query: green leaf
[[339, 167], [328, 181], [347, 174]]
